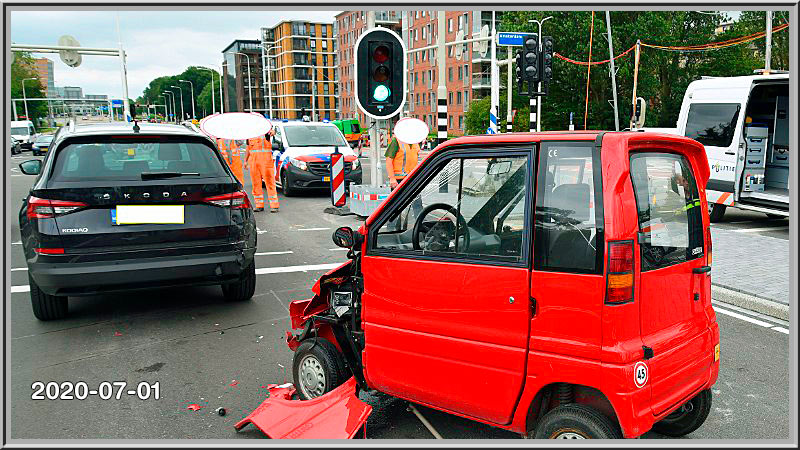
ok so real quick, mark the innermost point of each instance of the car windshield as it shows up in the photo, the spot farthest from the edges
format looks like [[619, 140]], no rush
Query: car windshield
[[314, 136], [44, 139], [19, 131], [135, 160]]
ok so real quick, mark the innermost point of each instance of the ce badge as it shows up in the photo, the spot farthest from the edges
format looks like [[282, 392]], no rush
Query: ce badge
[[640, 374]]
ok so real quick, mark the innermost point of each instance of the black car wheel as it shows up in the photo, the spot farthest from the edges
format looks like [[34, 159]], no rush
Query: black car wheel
[[286, 187], [243, 289], [45, 306], [576, 421], [689, 417], [715, 212], [317, 368]]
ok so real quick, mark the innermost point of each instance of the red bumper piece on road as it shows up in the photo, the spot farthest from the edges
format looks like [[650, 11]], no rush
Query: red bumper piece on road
[[339, 414]]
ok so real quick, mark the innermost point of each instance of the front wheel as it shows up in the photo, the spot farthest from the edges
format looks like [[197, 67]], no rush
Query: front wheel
[[317, 368], [287, 188], [716, 211], [576, 421], [689, 417]]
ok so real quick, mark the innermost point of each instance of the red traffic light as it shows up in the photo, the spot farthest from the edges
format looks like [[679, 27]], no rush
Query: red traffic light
[[381, 54]]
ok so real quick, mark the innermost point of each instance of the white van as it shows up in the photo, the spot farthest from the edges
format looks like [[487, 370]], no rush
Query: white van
[[743, 122], [24, 132]]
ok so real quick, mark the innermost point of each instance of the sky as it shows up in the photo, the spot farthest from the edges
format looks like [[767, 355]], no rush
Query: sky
[[157, 43]]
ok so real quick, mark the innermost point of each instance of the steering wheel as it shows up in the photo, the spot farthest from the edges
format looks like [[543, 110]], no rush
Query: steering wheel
[[462, 223]]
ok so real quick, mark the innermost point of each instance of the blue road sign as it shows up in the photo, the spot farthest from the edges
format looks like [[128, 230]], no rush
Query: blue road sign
[[104, 108], [119, 102], [515, 39]]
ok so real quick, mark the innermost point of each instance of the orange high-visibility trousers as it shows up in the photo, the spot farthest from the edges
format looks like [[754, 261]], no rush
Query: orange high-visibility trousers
[[262, 167], [236, 162]]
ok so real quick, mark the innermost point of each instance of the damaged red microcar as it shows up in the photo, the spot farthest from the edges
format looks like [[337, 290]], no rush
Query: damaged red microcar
[[553, 284]]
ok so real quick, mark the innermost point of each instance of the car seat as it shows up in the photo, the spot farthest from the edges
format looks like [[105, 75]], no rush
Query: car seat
[[570, 244]]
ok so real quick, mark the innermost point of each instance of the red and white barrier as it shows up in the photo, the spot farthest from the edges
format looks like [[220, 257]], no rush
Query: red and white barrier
[[337, 179]]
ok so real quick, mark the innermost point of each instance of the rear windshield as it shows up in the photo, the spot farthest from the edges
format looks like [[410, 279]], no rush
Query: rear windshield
[[670, 212], [314, 135], [712, 124], [115, 160], [44, 139], [19, 131]]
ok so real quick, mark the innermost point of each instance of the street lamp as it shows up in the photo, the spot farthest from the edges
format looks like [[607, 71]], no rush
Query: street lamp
[[172, 97], [539, 84], [213, 102], [249, 83], [24, 98], [166, 111], [269, 75], [194, 116], [183, 115]]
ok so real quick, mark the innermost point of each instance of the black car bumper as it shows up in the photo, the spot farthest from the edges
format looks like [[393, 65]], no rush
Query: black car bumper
[[143, 273], [302, 179]]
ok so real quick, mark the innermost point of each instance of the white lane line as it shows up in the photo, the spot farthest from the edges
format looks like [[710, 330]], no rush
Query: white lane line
[[337, 249], [312, 229], [750, 313], [781, 329], [756, 230], [760, 323], [16, 243], [15, 289], [19, 268], [288, 269], [274, 253]]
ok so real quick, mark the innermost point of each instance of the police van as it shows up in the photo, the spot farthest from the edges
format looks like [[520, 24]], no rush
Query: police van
[[743, 122]]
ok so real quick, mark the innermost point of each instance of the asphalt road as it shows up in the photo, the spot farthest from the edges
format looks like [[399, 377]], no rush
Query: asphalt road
[[202, 350]]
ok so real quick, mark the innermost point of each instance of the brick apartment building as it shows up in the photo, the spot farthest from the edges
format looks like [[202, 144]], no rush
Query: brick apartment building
[[44, 70], [467, 76]]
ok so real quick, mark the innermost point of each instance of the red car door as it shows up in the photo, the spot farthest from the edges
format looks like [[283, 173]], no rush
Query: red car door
[[446, 318], [673, 289]]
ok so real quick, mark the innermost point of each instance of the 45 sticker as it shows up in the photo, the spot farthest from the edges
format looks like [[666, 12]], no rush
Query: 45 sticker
[[640, 374]]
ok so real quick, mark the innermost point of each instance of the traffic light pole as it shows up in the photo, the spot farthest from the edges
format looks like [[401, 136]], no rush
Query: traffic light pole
[[375, 170], [510, 84], [441, 90], [538, 117]]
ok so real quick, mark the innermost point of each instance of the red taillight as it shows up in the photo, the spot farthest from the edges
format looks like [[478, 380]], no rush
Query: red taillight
[[619, 282], [708, 246], [234, 200], [42, 208], [49, 251]]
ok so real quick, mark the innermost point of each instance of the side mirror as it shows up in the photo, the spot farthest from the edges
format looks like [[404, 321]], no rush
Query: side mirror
[[31, 167], [639, 113], [345, 237]]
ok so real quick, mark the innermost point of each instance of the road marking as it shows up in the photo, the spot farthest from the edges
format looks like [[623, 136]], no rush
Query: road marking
[[750, 313], [760, 323], [25, 288], [19, 268], [756, 230], [312, 229], [274, 253], [338, 249], [288, 269], [781, 329]]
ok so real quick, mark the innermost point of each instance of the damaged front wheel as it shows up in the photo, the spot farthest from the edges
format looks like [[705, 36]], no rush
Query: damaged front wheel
[[318, 368]]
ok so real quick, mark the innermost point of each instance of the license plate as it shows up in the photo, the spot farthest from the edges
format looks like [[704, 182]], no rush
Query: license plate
[[147, 214], [326, 178]]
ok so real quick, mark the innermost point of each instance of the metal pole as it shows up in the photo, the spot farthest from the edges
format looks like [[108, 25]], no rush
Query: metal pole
[[25, 98], [213, 101], [494, 74], [263, 71], [249, 79], [183, 114], [314, 93], [538, 116], [613, 71], [509, 86], [269, 85], [16, 116], [194, 116], [221, 97], [768, 52], [166, 111], [375, 171], [635, 83], [125, 105]]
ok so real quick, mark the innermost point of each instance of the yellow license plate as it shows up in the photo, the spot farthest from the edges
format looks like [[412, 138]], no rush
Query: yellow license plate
[[716, 353], [326, 178], [147, 214]]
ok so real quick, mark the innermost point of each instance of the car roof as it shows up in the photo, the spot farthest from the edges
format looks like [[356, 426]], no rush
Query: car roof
[[116, 128], [295, 123]]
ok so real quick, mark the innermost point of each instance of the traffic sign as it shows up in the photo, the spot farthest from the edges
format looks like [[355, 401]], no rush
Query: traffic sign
[[116, 102], [513, 39], [104, 108]]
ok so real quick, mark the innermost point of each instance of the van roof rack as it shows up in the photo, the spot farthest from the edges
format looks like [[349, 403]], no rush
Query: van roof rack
[[769, 72]]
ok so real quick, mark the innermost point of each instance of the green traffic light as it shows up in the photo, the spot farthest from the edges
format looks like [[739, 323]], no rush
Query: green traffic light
[[381, 93]]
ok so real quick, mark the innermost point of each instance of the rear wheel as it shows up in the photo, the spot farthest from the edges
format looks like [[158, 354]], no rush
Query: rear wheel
[[287, 188], [45, 306], [689, 417], [244, 288], [317, 368], [716, 211], [576, 421]]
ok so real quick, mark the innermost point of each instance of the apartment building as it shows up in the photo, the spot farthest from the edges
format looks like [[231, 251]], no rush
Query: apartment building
[[301, 73], [467, 75], [243, 89], [44, 70]]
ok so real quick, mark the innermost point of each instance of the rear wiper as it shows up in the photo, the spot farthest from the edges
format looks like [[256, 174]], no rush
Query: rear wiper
[[157, 175]]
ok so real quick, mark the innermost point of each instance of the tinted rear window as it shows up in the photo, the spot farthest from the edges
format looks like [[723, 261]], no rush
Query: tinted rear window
[[126, 160], [670, 212], [712, 123]]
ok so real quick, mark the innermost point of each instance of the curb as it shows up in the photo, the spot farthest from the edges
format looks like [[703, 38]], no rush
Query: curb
[[757, 304]]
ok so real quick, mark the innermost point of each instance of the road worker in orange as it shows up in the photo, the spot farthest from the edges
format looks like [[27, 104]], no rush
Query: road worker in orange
[[230, 153], [401, 159], [262, 167]]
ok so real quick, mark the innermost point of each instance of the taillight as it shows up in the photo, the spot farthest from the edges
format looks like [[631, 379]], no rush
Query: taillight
[[42, 208], [234, 200], [49, 251], [619, 283], [708, 246]]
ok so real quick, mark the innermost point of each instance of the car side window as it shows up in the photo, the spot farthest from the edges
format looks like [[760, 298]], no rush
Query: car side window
[[566, 222], [669, 207], [469, 208]]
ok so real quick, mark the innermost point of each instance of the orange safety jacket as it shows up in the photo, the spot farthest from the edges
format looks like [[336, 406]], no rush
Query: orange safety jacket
[[405, 160]]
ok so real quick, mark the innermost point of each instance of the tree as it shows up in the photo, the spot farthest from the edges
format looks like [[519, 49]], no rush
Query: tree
[[22, 68], [753, 22], [199, 77]]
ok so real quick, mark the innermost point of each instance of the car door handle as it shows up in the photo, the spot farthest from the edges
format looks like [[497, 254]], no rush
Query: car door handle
[[533, 306], [704, 269]]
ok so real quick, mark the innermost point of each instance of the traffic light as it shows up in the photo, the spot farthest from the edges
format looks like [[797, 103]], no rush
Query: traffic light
[[547, 59], [380, 73], [531, 49], [520, 78]]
